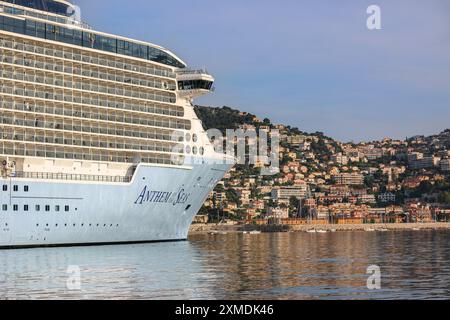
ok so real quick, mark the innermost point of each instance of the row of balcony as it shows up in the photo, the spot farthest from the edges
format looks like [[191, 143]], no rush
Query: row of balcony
[[45, 151], [93, 114], [86, 72], [87, 100], [113, 131], [35, 78], [81, 56], [88, 142]]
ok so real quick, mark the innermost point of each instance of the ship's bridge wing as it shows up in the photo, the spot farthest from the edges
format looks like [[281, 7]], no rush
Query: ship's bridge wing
[[194, 83]]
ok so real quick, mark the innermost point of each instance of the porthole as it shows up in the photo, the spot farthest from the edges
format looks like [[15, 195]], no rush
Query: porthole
[[188, 137], [202, 151], [194, 137], [194, 150], [188, 149]]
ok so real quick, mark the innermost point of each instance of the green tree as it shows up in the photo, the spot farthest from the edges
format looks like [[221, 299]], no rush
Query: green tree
[[444, 198]]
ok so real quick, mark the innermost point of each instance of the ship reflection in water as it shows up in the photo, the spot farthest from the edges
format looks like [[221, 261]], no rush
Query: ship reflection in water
[[237, 266]]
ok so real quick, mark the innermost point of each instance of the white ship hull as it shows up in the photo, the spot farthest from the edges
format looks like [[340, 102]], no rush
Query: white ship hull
[[80, 111], [159, 204]]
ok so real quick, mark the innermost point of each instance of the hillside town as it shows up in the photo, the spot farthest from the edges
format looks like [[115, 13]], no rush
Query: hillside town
[[322, 181]]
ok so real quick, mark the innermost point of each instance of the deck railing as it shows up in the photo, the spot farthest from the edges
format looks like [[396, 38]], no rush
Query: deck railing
[[72, 177]]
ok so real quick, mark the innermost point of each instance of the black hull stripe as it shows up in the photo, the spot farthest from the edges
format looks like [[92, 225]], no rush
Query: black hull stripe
[[86, 244]]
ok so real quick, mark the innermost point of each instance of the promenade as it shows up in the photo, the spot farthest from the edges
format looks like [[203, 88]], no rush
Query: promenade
[[221, 228]]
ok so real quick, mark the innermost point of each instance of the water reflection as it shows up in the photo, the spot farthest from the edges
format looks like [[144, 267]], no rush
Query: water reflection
[[236, 266]]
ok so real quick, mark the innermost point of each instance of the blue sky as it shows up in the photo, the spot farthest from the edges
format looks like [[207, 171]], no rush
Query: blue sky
[[307, 63]]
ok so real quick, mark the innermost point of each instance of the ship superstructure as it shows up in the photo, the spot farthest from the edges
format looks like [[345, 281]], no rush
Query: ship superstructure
[[99, 141]]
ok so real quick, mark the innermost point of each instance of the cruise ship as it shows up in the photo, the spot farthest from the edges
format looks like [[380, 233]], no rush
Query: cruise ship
[[99, 141]]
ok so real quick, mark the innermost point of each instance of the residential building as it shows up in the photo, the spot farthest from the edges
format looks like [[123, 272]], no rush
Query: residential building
[[277, 213], [244, 196], [418, 161], [339, 158], [288, 192], [445, 164], [386, 197], [366, 198], [349, 178]]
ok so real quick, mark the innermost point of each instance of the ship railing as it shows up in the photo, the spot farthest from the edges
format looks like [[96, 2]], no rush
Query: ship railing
[[71, 177], [190, 71]]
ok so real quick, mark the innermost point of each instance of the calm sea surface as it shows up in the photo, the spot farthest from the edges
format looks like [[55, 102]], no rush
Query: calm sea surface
[[413, 264]]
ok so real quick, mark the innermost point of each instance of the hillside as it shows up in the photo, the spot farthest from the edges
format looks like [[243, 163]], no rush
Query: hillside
[[412, 174]]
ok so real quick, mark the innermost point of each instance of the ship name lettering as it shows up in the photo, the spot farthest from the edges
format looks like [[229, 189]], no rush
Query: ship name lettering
[[182, 197], [157, 196]]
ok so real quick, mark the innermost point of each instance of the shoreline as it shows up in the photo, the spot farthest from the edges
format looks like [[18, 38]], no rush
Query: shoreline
[[215, 228]]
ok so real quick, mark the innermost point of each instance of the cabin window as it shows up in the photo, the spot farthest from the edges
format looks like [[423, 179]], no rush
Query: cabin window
[[5, 207], [15, 207], [5, 187], [25, 207], [15, 188]]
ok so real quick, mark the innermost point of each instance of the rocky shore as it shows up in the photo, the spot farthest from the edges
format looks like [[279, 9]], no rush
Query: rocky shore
[[215, 228]]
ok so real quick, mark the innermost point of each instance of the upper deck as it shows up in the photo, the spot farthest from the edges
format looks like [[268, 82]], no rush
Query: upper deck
[[59, 7], [27, 17]]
